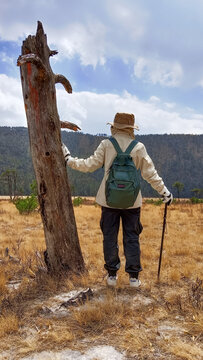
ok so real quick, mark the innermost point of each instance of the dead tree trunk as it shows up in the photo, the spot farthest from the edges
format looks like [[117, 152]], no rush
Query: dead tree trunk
[[38, 85]]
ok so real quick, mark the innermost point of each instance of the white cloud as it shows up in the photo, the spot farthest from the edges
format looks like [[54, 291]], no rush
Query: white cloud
[[154, 99], [170, 105], [95, 38], [157, 71], [11, 103], [7, 59], [92, 31], [129, 18], [92, 111], [88, 41], [160, 43], [198, 116], [69, 107], [200, 83]]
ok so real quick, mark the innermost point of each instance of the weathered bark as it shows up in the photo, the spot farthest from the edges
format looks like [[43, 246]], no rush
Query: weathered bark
[[38, 84]]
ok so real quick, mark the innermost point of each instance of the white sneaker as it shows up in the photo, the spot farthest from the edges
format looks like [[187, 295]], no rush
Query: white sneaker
[[111, 280], [135, 282]]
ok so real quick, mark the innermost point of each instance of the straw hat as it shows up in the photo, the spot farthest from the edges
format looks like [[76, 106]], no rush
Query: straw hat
[[124, 120]]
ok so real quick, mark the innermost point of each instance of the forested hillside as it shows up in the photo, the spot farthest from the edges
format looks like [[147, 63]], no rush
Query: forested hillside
[[176, 157]]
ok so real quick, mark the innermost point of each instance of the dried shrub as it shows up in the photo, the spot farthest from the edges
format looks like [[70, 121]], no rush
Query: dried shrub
[[98, 315], [8, 324], [195, 294], [2, 283]]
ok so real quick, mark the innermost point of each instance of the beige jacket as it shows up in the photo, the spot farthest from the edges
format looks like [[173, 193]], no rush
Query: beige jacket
[[105, 154]]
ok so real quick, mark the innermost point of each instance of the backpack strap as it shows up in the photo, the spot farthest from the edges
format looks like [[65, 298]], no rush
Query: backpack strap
[[130, 147], [116, 145]]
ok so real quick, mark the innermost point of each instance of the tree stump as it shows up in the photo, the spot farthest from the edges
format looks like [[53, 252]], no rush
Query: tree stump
[[38, 85]]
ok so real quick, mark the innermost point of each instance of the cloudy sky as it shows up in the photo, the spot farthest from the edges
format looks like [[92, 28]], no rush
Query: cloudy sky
[[142, 57]]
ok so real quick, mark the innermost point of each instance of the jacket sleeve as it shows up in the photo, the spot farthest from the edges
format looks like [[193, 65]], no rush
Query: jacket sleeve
[[148, 171], [90, 164]]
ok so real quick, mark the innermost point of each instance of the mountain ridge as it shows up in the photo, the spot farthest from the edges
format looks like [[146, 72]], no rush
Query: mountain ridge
[[177, 157]]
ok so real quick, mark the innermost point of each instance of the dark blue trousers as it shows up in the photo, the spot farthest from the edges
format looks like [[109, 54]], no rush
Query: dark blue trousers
[[132, 227]]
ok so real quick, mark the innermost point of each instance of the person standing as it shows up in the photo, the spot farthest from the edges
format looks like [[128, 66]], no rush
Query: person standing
[[122, 130]]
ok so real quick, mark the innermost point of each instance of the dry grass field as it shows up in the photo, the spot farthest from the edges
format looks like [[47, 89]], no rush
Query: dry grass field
[[161, 320]]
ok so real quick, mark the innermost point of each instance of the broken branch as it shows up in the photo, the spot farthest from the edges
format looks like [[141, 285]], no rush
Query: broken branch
[[53, 52], [33, 59], [62, 79], [69, 125]]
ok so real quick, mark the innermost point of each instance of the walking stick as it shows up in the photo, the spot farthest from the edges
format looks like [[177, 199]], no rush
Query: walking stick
[[162, 239]]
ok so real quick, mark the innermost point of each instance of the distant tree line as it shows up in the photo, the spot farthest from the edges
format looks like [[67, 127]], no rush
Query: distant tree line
[[178, 159]]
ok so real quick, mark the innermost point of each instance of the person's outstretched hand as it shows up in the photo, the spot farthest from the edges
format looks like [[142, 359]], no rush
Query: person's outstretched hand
[[66, 152], [167, 197]]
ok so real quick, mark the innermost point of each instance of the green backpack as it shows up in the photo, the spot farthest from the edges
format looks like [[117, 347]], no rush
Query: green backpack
[[123, 183]]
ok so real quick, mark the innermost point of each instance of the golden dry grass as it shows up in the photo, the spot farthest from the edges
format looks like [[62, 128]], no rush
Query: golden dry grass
[[8, 324], [162, 318], [186, 351]]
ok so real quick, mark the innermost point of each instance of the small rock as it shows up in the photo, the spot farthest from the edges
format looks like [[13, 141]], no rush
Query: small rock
[[79, 299], [45, 311]]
